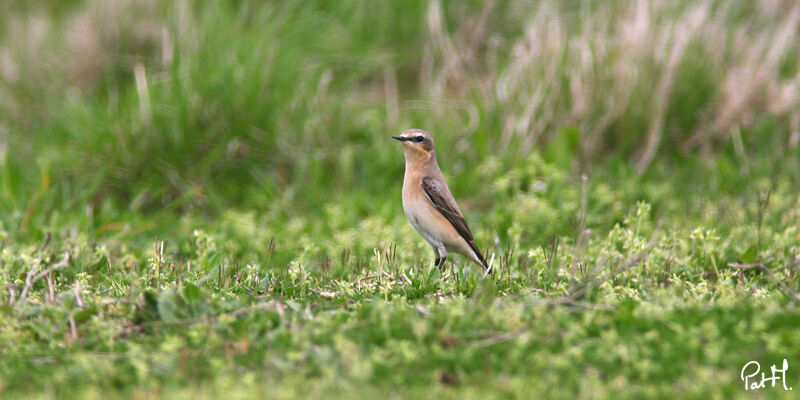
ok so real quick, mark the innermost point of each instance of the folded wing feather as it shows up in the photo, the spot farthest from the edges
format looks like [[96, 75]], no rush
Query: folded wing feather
[[440, 197]]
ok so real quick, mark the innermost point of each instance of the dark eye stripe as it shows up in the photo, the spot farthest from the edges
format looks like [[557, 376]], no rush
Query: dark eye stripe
[[418, 139]]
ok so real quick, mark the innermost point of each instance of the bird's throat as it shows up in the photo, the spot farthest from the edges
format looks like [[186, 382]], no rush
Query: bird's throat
[[416, 157]]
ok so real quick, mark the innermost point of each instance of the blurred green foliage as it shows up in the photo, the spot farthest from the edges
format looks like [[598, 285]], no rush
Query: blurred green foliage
[[201, 199]]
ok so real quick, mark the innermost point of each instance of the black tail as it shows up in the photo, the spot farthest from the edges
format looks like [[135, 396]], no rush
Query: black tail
[[478, 253]]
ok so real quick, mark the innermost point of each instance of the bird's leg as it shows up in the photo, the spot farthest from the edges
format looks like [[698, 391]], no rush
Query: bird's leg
[[443, 259], [436, 256]]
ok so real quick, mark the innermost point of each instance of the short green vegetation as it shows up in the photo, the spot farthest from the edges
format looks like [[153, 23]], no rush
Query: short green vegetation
[[200, 199]]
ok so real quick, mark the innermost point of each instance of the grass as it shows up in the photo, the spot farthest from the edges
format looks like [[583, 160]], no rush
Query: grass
[[201, 199]]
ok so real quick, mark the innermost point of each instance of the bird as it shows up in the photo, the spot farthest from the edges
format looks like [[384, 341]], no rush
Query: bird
[[429, 205]]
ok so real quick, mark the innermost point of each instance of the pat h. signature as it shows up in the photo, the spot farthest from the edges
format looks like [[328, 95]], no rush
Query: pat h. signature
[[749, 376]]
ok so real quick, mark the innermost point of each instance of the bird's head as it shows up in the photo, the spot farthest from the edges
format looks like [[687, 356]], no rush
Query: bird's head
[[417, 144]]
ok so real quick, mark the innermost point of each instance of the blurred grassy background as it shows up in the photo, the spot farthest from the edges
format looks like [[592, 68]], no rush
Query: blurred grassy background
[[165, 107], [201, 198]]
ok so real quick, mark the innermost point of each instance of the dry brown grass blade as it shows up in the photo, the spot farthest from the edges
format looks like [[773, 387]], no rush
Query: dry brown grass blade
[[786, 290], [31, 278]]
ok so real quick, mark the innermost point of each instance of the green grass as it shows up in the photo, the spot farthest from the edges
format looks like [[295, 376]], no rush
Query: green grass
[[201, 199]]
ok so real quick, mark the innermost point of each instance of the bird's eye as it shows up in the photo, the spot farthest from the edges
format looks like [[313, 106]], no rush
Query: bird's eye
[[418, 139]]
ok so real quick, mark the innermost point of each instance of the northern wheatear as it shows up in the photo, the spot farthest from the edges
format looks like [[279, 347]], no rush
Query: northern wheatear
[[428, 204]]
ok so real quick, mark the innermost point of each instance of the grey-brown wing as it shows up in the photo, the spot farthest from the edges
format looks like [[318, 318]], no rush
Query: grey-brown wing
[[441, 199]]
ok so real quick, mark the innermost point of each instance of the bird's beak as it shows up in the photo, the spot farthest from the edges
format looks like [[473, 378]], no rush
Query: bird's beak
[[400, 138]]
